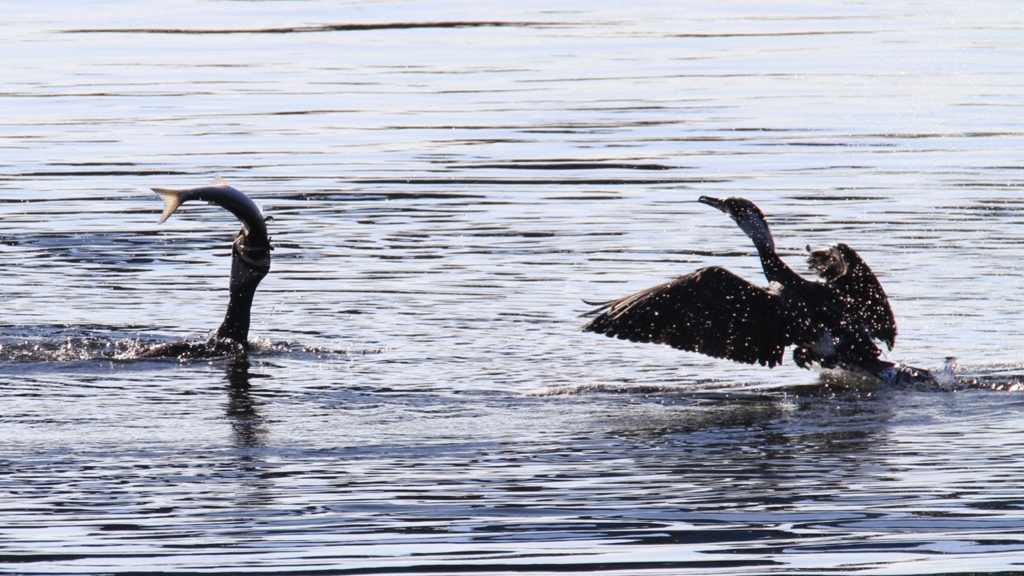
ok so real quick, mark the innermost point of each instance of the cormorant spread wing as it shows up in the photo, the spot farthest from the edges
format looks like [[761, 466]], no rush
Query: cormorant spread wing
[[711, 311], [857, 289]]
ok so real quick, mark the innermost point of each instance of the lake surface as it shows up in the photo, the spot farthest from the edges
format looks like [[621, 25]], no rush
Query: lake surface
[[448, 181]]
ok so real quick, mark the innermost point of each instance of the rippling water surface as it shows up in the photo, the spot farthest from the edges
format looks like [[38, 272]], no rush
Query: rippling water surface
[[447, 182]]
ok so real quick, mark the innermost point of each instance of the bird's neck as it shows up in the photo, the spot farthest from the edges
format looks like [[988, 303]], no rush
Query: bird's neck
[[248, 267], [775, 270]]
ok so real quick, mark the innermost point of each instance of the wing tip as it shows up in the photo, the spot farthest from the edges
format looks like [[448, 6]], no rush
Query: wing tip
[[598, 307]]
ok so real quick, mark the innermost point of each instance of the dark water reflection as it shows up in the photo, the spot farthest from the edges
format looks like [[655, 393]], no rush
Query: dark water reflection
[[243, 409], [446, 187]]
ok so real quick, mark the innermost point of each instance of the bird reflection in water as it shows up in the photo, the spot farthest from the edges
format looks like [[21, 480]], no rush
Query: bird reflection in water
[[243, 410]]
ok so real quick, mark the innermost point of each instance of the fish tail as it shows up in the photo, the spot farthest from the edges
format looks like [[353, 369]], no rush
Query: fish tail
[[172, 199]]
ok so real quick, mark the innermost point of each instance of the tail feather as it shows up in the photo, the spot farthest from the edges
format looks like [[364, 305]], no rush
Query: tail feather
[[172, 199]]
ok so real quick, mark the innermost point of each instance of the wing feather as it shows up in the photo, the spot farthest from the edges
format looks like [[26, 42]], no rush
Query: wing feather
[[857, 288], [711, 311]]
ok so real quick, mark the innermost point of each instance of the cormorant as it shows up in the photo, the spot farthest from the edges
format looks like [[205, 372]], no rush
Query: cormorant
[[715, 312], [250, 262]]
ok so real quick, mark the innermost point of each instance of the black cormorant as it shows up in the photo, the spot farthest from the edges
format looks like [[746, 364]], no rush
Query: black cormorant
[[250, 262], [715, 312]]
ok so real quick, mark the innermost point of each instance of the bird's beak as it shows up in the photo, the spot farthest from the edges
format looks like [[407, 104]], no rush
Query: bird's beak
[[713, 202]]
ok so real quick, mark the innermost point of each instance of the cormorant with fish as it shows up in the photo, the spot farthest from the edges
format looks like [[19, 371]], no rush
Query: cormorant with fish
[[250, 263], [712, 311]]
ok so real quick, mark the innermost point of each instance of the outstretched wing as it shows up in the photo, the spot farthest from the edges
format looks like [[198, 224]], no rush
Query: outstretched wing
[[711, 311], [857, 287]]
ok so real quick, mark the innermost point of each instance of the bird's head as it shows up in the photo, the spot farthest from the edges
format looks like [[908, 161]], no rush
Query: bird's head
[[747, 215]]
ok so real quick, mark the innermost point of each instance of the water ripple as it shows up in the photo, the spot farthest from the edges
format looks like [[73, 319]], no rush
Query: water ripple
[[446, 188]]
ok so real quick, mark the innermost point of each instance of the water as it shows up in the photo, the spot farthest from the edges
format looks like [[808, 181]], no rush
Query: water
[[421, 399]]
